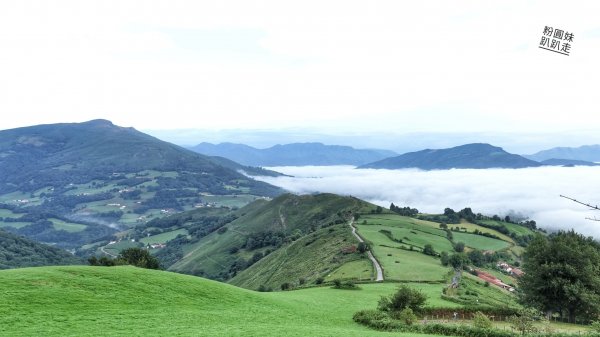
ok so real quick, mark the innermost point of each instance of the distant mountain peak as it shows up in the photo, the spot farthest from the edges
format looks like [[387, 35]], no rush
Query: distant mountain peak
[[99, 122], [590, 153], [474, 155]]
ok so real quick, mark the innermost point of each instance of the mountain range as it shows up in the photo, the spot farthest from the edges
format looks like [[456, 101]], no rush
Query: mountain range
[[70, 184], [476, 156], [589, 153], [294, 154]]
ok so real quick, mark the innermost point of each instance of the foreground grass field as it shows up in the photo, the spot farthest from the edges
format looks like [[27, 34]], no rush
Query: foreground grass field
[[127, 301]]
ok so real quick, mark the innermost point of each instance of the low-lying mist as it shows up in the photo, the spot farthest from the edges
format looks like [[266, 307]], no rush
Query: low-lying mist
[[530, 193]]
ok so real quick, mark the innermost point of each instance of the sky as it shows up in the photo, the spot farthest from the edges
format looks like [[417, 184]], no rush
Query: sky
[[524, 193], [325, 67]]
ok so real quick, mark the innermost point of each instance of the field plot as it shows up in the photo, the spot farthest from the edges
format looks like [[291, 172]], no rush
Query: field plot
[[480, 242], [517, 229], [164, 237], [67, 226], [356, 270]]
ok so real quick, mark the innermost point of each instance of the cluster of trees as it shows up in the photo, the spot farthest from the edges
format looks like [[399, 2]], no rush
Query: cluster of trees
[[264, 239], [132, 256], [406, 211], [475, 257], [240, 264]]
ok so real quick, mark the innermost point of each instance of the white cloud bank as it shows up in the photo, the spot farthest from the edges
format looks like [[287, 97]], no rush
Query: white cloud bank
[[531, 192]]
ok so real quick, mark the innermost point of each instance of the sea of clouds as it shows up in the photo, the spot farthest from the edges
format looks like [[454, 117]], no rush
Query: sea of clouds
[[532, 193]]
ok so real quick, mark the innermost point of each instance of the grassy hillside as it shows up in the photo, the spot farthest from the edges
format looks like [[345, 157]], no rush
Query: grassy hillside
[[118, 301], [398, 243], [303, 261], [78, 183], [283, 240], [18, 252]]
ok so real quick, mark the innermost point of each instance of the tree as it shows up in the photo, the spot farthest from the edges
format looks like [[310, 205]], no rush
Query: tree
[[476, 257], [403, 298], [428, 250], [459, 247], [362, 247], [458, 260], [444, 258], [139, 257], [562, 274]]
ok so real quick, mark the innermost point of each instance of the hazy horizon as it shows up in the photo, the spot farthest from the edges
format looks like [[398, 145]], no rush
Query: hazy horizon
[[519, 143]]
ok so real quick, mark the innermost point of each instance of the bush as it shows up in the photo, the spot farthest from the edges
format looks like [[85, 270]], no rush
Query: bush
[[286, 286], [481, 321], [348, 285], [594, 329], [264, 289], [523, 321], [367, 316], [404, 297], [319, 280], [407, 316], [139, 257]]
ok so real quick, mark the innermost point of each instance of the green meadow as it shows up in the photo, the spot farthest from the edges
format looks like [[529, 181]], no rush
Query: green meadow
[[127, 301]]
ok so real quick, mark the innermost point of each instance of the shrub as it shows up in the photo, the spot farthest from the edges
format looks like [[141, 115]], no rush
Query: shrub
[[481, 321], [286, 286], [594, 329], [263, 288], [523, 321], [403, 298], [349, 285], [407, 316], [319, 280], [367, 316]]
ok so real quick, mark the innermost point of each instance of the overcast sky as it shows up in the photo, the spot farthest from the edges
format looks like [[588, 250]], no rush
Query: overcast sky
[[368, 66]]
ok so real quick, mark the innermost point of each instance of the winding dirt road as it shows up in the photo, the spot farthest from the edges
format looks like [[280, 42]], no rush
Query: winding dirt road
[[376, 264], [107, 253]]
